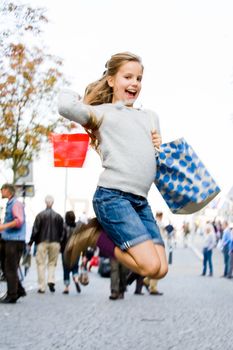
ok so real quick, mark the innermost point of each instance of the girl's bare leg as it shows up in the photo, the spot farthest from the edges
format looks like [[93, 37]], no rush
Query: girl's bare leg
[[163, 260], [147, 259]]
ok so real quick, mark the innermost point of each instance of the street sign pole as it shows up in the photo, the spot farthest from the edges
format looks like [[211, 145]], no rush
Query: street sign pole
[[66, 185]]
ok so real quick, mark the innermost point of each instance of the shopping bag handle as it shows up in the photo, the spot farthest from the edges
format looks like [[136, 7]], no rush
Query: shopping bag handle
[[158, 149]]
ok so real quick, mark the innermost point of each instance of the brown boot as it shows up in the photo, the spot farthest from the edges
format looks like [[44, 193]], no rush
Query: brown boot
[[82, 238], [114, 296]]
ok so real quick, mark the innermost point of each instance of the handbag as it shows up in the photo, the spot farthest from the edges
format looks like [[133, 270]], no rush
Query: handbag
[[26, 260], [83, 277], [182, 179]]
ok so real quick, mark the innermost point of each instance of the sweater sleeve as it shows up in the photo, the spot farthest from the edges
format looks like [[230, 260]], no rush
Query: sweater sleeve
[[154, 121], [70, 107]]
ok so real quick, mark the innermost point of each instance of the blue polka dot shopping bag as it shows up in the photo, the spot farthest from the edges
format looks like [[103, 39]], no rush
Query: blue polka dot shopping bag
[[182, 179]]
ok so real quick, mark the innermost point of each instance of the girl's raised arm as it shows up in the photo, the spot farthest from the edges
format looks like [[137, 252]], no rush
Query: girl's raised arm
[[71, 107]]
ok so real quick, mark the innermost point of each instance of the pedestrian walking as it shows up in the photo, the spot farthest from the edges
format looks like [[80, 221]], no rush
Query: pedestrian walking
[[186, 233], [47, 233], [69, 226], [170, 232], [125, 138], [208, 245], [218, 228], [12, 244], [118, 277], [225, 246], [230, 269]]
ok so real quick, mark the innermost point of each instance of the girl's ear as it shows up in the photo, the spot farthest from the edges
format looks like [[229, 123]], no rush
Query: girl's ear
[[110, 81]]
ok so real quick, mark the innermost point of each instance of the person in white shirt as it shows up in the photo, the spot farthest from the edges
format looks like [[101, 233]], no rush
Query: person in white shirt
[[208, 245]]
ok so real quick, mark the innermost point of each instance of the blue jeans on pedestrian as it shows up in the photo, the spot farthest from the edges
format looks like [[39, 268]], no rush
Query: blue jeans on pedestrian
[[127, 218], [226, 257], [207, 260], [67, 271]]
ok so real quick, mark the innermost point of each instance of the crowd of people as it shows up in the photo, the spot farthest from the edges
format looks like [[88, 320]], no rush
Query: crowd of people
[[217, 234], [50, 234], [49, 237]]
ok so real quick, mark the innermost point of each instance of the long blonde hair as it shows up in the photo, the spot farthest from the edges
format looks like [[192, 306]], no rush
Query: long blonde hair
[[100, 92]]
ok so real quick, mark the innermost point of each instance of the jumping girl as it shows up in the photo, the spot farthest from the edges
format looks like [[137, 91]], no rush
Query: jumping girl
[[125, 138]]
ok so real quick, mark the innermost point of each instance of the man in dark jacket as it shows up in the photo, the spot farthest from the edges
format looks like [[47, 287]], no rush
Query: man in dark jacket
[[46, 233]]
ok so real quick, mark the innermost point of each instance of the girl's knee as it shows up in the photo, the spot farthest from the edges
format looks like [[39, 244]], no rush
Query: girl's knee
[[158, 272], [162, 272], [151, 270]]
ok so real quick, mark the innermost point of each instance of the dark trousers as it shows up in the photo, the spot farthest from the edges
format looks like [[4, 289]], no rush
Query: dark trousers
[[226, 256], [207, 260], [139, 284], [118, 276], [12, 252], [230, 270], [2, 255]]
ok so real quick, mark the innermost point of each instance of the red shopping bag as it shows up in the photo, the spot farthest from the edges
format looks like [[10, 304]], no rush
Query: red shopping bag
[[94, 261], [69, 150]]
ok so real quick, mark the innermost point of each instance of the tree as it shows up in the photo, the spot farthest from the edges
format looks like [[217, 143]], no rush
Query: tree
[[29, 81]]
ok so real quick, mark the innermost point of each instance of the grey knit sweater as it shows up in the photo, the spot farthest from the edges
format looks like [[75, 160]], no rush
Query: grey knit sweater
[[127, 152]]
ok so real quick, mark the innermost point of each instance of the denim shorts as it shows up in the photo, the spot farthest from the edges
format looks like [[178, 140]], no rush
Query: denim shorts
[[126, 218]]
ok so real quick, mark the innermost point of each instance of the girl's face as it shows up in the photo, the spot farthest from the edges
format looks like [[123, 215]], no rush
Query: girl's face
[[126, 84]]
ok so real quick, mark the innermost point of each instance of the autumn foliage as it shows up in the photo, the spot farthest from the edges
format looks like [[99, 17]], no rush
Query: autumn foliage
[[29, 82]]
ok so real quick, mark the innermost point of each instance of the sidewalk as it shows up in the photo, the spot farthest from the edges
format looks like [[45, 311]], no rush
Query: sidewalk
[[193, 313]]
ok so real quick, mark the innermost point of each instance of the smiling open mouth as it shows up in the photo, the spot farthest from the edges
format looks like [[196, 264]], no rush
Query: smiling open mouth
[[131, 93]]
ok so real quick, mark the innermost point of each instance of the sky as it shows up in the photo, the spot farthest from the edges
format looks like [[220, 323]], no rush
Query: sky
[[186, 48]]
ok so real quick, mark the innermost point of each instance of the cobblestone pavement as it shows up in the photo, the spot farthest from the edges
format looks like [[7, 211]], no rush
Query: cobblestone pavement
[[195, 313]]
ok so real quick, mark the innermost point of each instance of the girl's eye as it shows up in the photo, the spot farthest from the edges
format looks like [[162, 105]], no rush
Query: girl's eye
[[130, 77]]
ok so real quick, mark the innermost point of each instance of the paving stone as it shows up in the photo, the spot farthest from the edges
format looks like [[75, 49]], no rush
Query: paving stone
[[193, 314]]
